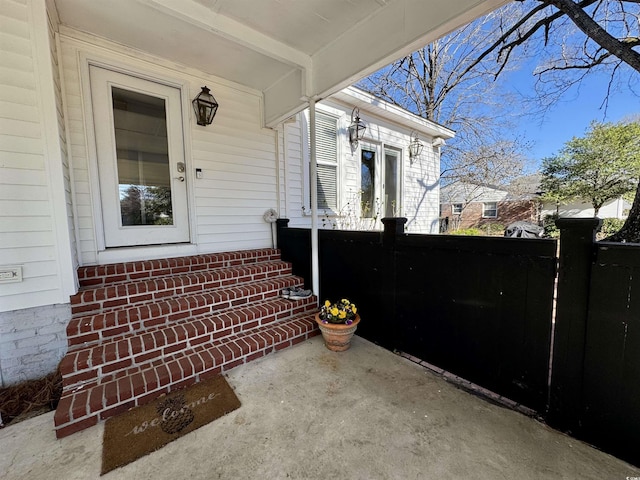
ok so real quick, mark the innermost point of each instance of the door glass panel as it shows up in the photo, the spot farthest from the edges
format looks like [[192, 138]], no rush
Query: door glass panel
[[391, 184], [143, 160], [367, 183]]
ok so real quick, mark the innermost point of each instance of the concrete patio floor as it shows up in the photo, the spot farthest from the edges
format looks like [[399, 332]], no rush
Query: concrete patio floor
[[308, 413]]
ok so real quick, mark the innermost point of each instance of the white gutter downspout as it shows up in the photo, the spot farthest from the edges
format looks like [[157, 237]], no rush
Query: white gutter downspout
[[315, 263]]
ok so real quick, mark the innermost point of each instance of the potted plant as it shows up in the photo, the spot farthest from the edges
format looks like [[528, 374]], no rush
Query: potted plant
[[338, 322]]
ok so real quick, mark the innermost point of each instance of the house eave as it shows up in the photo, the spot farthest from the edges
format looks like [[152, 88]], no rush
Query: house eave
[[287, 54], [367, 102]]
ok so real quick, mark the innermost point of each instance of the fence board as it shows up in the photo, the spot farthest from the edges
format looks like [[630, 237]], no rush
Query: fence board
[[475, 306], [610, 409], [486, 310]]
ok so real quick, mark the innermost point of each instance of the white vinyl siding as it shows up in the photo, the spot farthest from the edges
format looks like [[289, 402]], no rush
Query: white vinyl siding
[[30, 235], [327, 158], [417, 183], [236, 155], [294, 185]]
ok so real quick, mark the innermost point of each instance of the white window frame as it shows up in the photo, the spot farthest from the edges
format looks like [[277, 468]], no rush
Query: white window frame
[[379, 188], [377, 150], [456, 209], [494, 210], [306, 152], [400, 177]]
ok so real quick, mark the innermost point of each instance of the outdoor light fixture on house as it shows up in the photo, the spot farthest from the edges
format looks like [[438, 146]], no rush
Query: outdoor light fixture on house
[[415, 146], [356, 129], [205, 106]]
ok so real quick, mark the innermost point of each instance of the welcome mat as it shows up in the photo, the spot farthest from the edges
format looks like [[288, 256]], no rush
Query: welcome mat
[[145, 429]]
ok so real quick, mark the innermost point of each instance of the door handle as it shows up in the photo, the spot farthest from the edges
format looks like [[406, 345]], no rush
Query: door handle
[[180, 167], [180, 178]]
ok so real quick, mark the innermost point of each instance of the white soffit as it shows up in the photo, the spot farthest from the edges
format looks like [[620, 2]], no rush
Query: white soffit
[[288, 49]]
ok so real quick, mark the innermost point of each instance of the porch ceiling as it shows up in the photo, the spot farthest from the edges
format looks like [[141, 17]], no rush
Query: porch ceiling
[[288, 49]]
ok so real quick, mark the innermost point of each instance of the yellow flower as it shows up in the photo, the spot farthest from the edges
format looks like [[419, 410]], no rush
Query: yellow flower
[[342, 314], [354, 309], [327, 303], [345, 301], [334, 311]]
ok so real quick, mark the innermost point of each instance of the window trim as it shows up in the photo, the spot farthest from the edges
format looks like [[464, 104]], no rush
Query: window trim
[[453, 209], [484, 210], [375, 181], [305, 132], [399, 209]]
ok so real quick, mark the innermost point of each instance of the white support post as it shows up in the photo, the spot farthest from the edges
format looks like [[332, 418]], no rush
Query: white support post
[[315, 263]]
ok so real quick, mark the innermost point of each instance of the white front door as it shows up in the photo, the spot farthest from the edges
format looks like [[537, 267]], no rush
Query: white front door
[[141, 164]]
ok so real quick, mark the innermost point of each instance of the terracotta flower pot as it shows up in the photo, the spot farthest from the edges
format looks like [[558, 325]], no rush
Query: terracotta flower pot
[[337, 336]]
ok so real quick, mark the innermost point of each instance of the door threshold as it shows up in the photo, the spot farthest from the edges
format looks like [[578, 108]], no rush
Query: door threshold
[[146, 252]]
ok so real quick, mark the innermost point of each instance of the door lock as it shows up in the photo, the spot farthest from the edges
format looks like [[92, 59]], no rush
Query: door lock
[[180, 178], [180, 167]]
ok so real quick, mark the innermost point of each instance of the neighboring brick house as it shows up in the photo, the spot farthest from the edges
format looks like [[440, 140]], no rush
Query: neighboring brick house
[[467, 205]]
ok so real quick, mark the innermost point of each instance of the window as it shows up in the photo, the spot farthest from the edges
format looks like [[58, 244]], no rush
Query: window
[[391, 185], [489, 210], [327, 159], [368, 183], [456, 209]]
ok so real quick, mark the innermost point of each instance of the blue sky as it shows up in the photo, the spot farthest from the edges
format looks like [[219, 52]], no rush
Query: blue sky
[[572, 116]]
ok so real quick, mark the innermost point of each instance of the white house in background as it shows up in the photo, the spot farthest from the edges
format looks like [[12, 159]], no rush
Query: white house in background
[[617, 208], [72, 69], [358, 185]]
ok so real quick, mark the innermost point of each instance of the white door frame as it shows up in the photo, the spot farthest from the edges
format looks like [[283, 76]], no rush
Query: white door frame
[[159, 75], [118, 234]]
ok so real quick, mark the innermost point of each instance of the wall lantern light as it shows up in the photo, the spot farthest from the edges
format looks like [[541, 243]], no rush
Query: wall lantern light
[[205, 106], [356, 129], [415, 146]]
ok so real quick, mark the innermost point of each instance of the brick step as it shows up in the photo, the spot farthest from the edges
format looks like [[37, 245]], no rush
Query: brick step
[[110, 357], [121, 295], [90, 329], [95, 275], [86, 405]]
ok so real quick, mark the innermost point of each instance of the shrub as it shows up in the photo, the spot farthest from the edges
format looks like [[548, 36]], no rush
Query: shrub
[[493, 229], [609, 227], [468, 231], [549, 224]]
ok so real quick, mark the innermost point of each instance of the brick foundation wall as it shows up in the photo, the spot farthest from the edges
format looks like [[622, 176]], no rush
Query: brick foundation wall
[[32, 342]]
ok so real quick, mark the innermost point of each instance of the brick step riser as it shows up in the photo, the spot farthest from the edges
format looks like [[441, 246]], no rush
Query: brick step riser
[[87, 407], [118, 297], [90, 364], [91, 329], [96, 275]]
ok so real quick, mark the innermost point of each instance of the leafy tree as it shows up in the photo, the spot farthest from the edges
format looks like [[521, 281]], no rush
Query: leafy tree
[[601, 166], [593, 35]]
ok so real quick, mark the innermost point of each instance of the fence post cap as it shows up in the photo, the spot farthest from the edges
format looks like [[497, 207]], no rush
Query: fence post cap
[[282, 222], [579, 223], [394, 224]]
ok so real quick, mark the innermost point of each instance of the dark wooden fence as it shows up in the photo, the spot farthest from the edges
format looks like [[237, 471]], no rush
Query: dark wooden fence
[[477, 307], [482, 308], [595, 390]]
